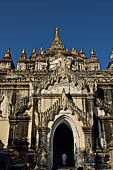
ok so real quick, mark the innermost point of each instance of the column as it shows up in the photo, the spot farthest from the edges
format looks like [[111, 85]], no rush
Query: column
[[90, 109], [89, 160], [11, 132], [42, 152]]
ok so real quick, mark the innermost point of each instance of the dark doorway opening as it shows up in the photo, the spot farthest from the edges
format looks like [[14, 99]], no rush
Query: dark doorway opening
[[63, 143]]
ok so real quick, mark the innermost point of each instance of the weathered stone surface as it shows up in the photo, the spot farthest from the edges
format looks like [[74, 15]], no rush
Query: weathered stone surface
[[52, 88]]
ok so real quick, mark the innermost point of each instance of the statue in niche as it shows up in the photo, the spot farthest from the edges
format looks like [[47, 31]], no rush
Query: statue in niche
[[5, 106], [42, 157], [39, 109], [89, 151], [31, 88], [64, 100], [43, 119], [63, 67], [103, 143], [43, 140], [92, 86]]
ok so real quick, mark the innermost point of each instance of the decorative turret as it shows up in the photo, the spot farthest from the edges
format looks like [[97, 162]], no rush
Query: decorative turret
[[23, 55], [8, 54], [93, 63], [81, 51], [73, 51], [93, 56], [92, 52], [82, 54], [34, 54], [22, 62], [6, 63], [78, 54], [110, 65], [57, 43], [41, 52], [111, 56]]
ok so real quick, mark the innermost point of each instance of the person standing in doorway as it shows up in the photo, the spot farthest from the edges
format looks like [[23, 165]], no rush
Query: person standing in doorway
[[64, 158]]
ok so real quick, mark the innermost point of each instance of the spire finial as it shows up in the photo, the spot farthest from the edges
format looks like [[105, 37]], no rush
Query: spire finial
[[34, 50], [111, 56], [23, 51], [41, 48], [8, 50], [8, 54], [57, 39], [41, 52], [112, 50], [81, 51], [73, 51], [92, 52]]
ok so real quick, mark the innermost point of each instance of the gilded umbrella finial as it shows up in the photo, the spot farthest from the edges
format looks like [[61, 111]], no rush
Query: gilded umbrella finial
[[57, 39]]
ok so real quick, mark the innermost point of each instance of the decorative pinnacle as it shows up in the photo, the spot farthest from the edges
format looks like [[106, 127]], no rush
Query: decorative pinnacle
[[8, 50], [112, 50], [8, 54], [81, 51], [57, 39], [23, 51], [92, 52], [73, 51], [41, 52], [111, 57], [34, 50], [41, 49]]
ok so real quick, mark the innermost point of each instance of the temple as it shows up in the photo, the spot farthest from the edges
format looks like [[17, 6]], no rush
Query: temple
[[56, 102]]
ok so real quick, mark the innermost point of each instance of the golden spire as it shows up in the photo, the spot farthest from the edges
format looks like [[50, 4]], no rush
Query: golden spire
[[23, 54], [23, 51], [8, 50], [111, 56], [34, 50], [81, 51], [73, 51], [57, 39], [41, 49], [8, 54], [92, 52], [41, 52], [34, 53], [112, 50]]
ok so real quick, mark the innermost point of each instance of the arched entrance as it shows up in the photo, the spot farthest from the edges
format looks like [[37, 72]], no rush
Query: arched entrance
[[73, 127], [63, 143]]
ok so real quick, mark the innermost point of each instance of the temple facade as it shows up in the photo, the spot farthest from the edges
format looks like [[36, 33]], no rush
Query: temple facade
[[57, 103]]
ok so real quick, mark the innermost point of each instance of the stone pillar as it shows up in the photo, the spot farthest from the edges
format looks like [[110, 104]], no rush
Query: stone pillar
[[90, 109], [110, 146], [89, 160], [110, 149], [11, 132], [42, 152]]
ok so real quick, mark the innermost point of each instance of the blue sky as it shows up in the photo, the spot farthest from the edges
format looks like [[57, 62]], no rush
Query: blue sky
[[31, 24]]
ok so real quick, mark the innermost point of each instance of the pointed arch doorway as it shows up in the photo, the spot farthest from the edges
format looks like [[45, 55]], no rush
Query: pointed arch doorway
[[63, 143]]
